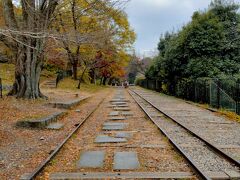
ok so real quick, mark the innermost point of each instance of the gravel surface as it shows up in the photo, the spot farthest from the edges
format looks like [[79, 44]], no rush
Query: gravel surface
[[204, 157], [213, 127]]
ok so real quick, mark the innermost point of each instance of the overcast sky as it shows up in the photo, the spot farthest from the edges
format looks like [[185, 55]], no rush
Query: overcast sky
[[151, 18]]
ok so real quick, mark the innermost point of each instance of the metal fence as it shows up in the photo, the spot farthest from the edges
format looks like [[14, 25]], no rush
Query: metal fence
[[219, 93]]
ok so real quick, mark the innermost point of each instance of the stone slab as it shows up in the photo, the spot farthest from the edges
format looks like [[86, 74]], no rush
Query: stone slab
[[112, 128], [41, 122], [122, 105], [125, 161], [115, 124], [55, 126], [117, 118], [127, 113], [91, 159], [114, 113], [123, 135], [68, 104], [118, 103], [108, 139], [119, 100], [121, 175], [121, 109], [150, 146]]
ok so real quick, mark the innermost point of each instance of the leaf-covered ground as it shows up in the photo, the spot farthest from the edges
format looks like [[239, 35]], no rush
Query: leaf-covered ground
[[22, 149]]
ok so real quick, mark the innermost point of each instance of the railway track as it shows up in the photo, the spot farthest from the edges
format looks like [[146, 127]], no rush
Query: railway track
[[208, 161], [143, 147], [39, 169]]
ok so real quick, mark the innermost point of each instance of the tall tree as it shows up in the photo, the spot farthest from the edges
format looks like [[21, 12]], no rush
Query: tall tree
[[25, 33], [208, 46]]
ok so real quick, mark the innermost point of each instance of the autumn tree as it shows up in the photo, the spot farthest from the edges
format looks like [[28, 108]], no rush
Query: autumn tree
[[84, 23], [28, 26], [25, 34]]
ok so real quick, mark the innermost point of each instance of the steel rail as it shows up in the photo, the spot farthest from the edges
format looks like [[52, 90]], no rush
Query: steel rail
[[39, 169], [218, 150], [185, 155]]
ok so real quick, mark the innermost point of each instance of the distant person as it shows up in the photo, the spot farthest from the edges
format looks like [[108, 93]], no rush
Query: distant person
[[125, 84]]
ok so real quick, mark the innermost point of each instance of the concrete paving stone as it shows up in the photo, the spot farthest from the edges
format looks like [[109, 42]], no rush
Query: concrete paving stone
[[114, 124], [122, 175], [117, 118], [112, 128], [42, 122], [114, 113], [125, 161], [55, 126], [148, 146], [119, 103], [127, 113], [119, 100], [123, 135], [108, 139], [68, 104], [115, 100], [91, 159], [122, 109], [122, 105]]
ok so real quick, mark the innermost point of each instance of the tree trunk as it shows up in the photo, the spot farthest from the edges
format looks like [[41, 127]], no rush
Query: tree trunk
[[34, 22], [81, 78], [27, 73], [110, 81], [92, 75], [74, 67], [104, 81]]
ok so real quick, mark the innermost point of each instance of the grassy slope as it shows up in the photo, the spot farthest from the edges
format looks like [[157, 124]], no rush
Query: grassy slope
[[7, 73], [70, 84]]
